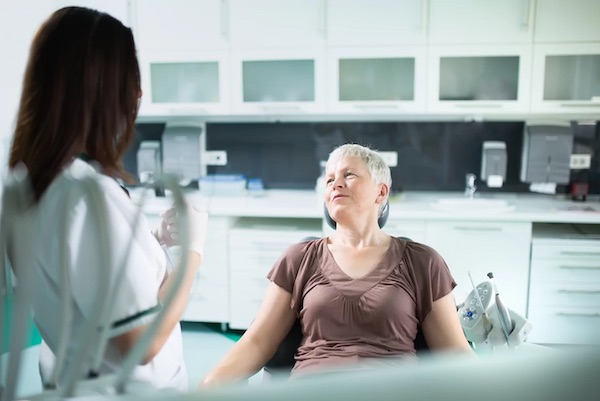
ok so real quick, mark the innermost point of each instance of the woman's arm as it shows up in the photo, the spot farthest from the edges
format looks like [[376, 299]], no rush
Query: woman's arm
[[198, 222], [126, 341], [273, 321], [442, 329]]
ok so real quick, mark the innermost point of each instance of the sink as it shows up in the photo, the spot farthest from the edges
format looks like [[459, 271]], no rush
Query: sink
[[472, 205]]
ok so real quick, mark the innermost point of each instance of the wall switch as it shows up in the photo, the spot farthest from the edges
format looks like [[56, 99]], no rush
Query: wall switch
[[580, 161], [390, 158], [215, 157]]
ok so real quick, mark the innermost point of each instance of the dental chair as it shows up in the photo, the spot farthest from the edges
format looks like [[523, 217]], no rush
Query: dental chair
[[282, 362]]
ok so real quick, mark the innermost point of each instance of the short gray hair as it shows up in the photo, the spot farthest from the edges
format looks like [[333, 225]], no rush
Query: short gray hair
[[380, 172]]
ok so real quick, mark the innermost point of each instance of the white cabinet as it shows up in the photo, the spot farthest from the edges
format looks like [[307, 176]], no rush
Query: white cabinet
[[181, 25], [384, 23], [277, 23], [209, 297], [567, 21], [479, 79], [502, 248], [278, 81], [120, 9], [184, 57], [376, 80], [416, 230], [185, 83], [481, 21], [564, 297], [566, 78], [255, 244]]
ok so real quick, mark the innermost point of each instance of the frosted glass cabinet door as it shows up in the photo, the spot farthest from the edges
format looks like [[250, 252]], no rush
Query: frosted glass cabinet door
[[566, 78], [469, 79], [365, 80], [185, 85], [278, 82]]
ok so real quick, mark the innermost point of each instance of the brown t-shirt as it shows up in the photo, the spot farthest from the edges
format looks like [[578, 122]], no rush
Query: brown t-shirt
[[356, 322]]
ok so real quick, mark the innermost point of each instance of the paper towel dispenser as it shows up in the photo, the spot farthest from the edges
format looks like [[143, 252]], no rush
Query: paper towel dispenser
[[493, 163], [546, 155], [181, 149]]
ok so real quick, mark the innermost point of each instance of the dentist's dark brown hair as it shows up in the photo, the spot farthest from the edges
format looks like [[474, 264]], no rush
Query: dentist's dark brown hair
[[80, 95]]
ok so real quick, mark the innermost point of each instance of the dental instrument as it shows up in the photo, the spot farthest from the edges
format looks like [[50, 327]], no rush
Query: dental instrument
[[502, 310]]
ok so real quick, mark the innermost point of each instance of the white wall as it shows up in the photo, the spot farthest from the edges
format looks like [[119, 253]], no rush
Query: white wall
[[19, 21]]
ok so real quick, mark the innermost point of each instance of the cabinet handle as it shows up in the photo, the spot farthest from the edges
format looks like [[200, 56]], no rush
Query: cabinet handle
[[488, 229], [530, 13], [581, 104], [292, 109], [582, 292], [570, 314], [424, 15], [224, 19], [479, 105], [566, 267], [376, 106], [575, 253], [187, 110], [322, 19]]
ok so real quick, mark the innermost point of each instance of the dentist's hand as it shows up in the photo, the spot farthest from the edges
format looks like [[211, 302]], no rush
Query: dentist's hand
[[168, 231]]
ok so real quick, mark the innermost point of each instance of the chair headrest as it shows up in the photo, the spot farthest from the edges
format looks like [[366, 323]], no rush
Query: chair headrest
[[385, 212]]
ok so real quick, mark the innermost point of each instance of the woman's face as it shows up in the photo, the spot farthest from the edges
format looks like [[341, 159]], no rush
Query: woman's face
[[350, 189]]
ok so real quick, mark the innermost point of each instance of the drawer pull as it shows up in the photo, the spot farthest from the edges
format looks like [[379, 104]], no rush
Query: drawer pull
[[468, 228], [567, 267], [582, 292], [573, 253], [571, 314]]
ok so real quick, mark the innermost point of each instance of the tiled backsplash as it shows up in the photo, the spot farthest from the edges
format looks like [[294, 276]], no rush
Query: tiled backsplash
[[432, 156]]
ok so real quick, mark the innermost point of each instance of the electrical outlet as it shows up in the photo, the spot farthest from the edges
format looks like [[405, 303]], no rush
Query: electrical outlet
[[215, 157], [580, 161], [390, 158]]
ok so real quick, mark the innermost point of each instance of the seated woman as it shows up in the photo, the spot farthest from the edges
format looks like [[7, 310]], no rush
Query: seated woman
[[360, 294]]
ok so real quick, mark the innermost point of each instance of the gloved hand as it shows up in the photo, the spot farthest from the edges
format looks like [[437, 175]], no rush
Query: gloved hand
[[168, 231]]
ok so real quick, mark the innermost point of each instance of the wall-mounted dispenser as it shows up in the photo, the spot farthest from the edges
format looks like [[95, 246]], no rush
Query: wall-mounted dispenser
[[181, 144], [546, 155], [493, 163]]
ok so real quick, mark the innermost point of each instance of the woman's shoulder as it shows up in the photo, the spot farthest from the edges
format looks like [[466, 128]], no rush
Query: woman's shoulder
[[418, 255]]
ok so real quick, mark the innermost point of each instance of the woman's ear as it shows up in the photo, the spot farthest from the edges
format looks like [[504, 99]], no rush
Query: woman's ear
[[384, 191]]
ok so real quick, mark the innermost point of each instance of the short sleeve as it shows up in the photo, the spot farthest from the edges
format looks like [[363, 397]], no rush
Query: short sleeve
[[134, 290], [433, 279], [293, 269]]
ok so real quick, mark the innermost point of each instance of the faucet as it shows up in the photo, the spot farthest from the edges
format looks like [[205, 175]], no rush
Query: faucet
[[470, 187]]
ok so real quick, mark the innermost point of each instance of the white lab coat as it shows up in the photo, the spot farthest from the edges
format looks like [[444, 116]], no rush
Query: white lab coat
[[63, 225]]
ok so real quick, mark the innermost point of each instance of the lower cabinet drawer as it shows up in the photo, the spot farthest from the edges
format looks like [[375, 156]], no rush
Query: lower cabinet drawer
[[561, 325], [564, 269], [565, 294]]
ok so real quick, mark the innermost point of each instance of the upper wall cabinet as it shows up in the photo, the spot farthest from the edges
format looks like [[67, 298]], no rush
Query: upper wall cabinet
[[277, 23], [376, 80], [181, 25], [479, 79], [567, 21], [567, 78], [278, 81], [481, 21], [120, 9], [185, 83], [386, 23]]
